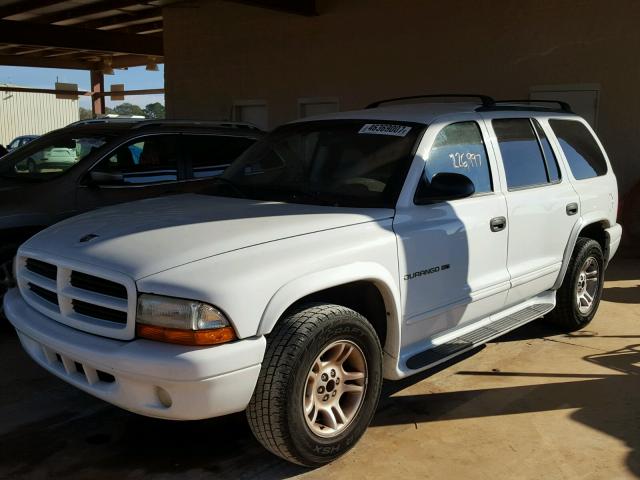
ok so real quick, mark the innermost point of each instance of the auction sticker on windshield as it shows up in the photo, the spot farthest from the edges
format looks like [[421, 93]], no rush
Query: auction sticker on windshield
[[385, 129]]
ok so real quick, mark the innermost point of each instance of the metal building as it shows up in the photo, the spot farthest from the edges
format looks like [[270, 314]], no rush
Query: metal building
[[23, 113]]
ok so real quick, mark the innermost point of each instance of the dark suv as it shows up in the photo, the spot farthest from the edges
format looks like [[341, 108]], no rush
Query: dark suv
[[94, 163]]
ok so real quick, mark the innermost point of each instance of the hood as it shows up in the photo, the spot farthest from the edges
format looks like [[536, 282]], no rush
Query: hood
[[148, 236]]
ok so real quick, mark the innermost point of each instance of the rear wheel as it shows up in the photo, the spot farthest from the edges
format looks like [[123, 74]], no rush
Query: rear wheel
[[319, 385], [579, 296]]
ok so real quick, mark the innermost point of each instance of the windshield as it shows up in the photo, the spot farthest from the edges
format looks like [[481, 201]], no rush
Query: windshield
[[49, 156], [339, 162]]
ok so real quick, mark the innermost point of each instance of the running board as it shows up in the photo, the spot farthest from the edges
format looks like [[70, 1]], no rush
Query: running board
[[478, 337]]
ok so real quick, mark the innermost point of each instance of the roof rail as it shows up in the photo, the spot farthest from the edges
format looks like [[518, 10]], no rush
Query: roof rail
[[199, 123], [93, 121], [486, 100], [527, 105]]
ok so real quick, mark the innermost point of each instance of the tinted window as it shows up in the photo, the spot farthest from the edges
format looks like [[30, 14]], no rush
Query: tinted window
[[49, 156], [145, 160], [523, 162], [549, 156], [459, 148], [584, 156], [210, 155]]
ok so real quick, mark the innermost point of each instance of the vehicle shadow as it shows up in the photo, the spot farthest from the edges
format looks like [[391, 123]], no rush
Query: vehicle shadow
[[590, 394], [622, 294]]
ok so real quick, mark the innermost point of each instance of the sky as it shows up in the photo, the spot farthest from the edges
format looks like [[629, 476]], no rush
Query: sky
[[134, 78]]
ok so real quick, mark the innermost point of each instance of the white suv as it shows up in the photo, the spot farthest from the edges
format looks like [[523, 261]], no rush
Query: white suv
[[336, 252]]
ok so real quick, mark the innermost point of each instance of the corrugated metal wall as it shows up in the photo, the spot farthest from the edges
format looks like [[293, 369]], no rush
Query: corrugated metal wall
[[33, 113]]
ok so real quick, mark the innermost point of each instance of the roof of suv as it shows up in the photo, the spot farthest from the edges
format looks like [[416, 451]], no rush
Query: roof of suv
[[426, 111]]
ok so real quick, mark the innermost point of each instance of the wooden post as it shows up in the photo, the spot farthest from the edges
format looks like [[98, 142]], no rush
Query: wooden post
[[97, 86]]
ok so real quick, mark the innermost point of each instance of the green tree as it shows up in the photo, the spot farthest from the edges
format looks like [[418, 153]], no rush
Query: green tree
[[154, 110], [127, 108], [85, 114]]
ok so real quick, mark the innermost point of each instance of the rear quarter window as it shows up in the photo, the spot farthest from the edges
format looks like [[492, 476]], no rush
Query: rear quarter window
[[584, 155]]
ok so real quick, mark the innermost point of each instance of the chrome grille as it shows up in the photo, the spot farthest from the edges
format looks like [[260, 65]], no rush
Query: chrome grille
[[48, 295], [99, 302], [42, 268], [98, 285]]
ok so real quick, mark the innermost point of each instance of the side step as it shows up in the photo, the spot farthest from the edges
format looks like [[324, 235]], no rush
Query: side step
[[478, 337]]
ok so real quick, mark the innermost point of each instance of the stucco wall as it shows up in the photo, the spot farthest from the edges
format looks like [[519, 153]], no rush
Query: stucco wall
[[362, 50]]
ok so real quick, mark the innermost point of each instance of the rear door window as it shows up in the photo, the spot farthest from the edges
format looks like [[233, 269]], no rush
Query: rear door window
[[584, 155], [210, 155], [521, 153]]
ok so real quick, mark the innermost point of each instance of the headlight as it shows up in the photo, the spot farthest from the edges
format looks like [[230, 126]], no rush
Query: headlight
[[186, 322]]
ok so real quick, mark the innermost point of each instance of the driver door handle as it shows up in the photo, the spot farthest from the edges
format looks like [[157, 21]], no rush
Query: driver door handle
[[497, 224]]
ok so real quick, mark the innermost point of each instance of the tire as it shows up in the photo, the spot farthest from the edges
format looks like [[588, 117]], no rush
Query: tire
[[31, 165], [7, 253], [571, 314], [287, 387]]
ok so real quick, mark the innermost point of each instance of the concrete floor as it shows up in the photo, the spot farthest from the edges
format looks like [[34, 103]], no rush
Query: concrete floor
[[532, 405]]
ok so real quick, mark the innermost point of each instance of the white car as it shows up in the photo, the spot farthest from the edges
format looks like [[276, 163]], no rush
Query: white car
[[336, 252]]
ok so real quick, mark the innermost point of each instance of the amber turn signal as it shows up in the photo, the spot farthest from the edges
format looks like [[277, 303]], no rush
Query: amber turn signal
[[186, 337]]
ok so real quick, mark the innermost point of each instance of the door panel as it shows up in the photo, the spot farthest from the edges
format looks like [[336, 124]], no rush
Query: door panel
[[452, 265], [538, 196]]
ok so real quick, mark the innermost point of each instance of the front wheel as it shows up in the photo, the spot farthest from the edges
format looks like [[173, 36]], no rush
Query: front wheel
[[319, 385], [579, 296]]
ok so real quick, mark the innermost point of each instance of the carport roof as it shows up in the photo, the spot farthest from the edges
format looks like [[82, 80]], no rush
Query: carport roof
[[95, 34]]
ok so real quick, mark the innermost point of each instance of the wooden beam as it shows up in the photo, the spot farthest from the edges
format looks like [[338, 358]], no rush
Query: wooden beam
[[139, 16], [24, 6], [98, 106], [86, 10], [72, 62], [143, 28], [26, 33], [298, 7], [98, 93], [31, 51]]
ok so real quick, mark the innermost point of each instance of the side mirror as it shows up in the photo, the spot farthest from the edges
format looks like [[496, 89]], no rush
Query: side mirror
[[104, 178], [444, 186]]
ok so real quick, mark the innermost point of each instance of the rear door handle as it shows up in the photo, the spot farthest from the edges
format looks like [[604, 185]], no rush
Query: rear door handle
[[572, 208], [497, 224]]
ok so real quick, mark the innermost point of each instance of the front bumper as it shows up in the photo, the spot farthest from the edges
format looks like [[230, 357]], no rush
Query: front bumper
[[151, 378]]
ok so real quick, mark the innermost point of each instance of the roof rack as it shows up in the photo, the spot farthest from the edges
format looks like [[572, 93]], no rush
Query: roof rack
[[93, 121], [199, 123], [486, 100], [141, 122], [526, 105]]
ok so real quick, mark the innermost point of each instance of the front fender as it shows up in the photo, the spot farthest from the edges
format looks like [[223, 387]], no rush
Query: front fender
[[296, 289]]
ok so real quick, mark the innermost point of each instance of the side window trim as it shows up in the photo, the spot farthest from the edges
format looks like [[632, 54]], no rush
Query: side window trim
[[537, 128]]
